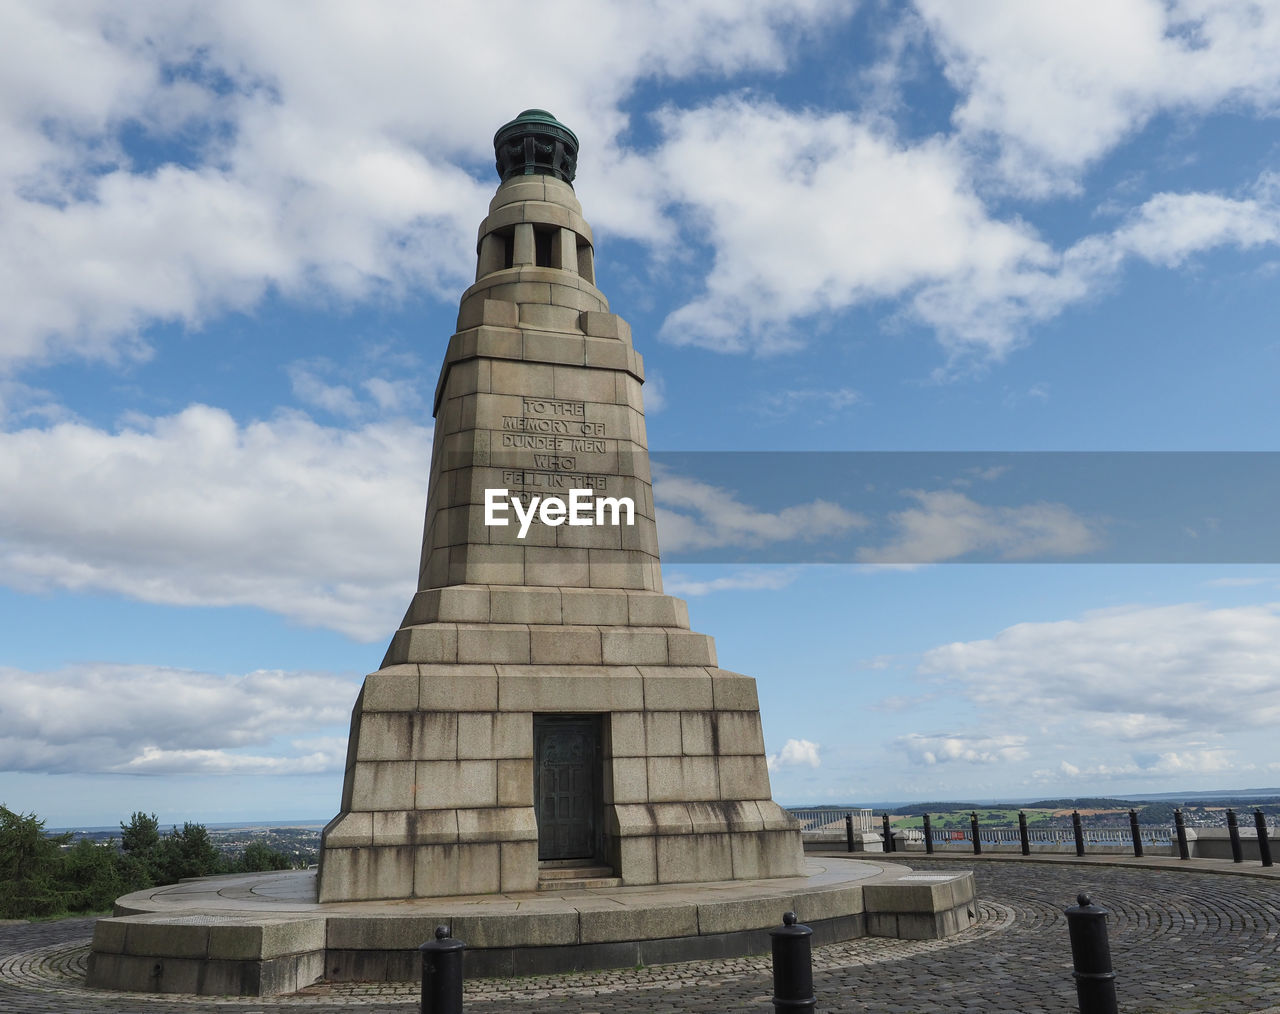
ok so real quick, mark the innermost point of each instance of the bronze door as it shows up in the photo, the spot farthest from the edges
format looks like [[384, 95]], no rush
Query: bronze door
[[567, 785]]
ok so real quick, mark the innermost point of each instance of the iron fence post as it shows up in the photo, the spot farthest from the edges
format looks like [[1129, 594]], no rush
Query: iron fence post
[[1180, 826], [792, 966], [1233, 829], [442, 974], [1022, 833], [1078, 830], [1091, 957], [1135, 834], [888, 835], [848, 830], [973, 826], [1264, 843], [928, 836]]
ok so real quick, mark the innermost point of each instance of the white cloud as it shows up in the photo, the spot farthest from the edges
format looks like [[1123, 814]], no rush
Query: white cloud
[[133, 719], [153, 760], [756, 579], [818, 405], [695, 515], [984, 313], [1185, 763], [349, 178], [970, 749], [948, 525], [1169, 228], [310, 389], [318, 524], [334, 147], [1180, 695], [1056, 86], [356, 399], [853, 215], [1152, 675], [391, 396], [795, 753], [655, 393]]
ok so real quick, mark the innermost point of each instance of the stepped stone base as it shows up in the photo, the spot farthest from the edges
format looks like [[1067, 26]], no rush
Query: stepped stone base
[[438, 795], [265, 934]]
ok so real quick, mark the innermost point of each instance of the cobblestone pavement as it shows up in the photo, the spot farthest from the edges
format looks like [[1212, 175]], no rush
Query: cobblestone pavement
[[1181, 942]]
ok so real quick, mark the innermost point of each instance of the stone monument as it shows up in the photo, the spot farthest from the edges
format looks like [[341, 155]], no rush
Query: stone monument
[[544, 717], [544, 714]]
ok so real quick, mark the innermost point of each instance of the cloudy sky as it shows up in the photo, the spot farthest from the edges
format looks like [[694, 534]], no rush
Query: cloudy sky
[[232, 240]]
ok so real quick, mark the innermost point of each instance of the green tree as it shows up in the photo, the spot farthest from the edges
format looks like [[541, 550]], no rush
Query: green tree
[[31, 867], [188, 853], [95, 875], [141, 835], [259, 857], [1156, 813], [140, 839]]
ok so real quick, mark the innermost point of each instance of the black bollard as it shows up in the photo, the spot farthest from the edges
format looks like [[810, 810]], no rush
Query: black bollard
[[928, 836], [1091, 956], [973, 828], [848, 830], [1180, 826], [1233, 829], [1078, 829], [1022, 833], [442, 974], [792, 966], [1136, 834], [1264, 843], [888, 835]]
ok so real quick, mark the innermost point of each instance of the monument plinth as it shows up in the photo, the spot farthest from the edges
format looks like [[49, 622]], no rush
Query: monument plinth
[[544, 706]]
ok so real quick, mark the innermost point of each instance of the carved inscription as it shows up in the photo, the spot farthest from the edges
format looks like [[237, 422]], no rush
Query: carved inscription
[[532, 442], [535, 479], [559, 430]]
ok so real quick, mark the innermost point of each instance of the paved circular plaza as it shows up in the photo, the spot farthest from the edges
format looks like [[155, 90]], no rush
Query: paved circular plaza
[[1181, 941]]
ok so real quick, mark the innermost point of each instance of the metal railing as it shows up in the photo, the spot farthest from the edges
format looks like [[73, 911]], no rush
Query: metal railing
[[1100, 837], [815, 823], [1045, 836], [830, 825]]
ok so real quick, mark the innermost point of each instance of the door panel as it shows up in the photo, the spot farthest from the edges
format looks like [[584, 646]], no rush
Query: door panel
[[567, 785]]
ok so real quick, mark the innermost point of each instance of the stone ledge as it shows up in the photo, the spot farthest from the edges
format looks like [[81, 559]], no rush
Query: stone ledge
[[240, 955], [921, 906], [510, 934]]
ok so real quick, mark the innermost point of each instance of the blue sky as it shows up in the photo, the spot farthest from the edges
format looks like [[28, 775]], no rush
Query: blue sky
[[232, 247]]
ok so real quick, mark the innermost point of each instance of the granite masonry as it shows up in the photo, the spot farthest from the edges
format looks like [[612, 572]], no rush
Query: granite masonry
[[549, 760], [544, 707]]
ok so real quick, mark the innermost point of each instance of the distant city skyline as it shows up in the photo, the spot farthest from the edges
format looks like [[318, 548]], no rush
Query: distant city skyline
[[230, 267]]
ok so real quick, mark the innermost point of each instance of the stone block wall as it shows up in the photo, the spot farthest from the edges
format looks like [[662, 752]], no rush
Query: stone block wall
[[438, 791]]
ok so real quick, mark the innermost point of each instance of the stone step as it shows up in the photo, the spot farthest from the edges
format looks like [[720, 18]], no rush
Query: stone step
[[579, 885], [549, 644], [541, 605], [571, 872], [573, 878]]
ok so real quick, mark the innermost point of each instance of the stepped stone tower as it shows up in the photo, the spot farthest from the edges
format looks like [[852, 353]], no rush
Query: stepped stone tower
[[544, 706]]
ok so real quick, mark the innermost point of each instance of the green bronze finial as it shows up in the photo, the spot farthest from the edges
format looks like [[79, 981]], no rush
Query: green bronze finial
[[535, 142]]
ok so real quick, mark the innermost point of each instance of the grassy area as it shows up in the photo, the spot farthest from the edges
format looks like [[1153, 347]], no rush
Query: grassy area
[[987, 817]]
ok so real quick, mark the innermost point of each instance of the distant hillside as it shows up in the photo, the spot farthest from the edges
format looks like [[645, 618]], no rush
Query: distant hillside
[[1082, 803], [952, 807], [1085, 803]]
